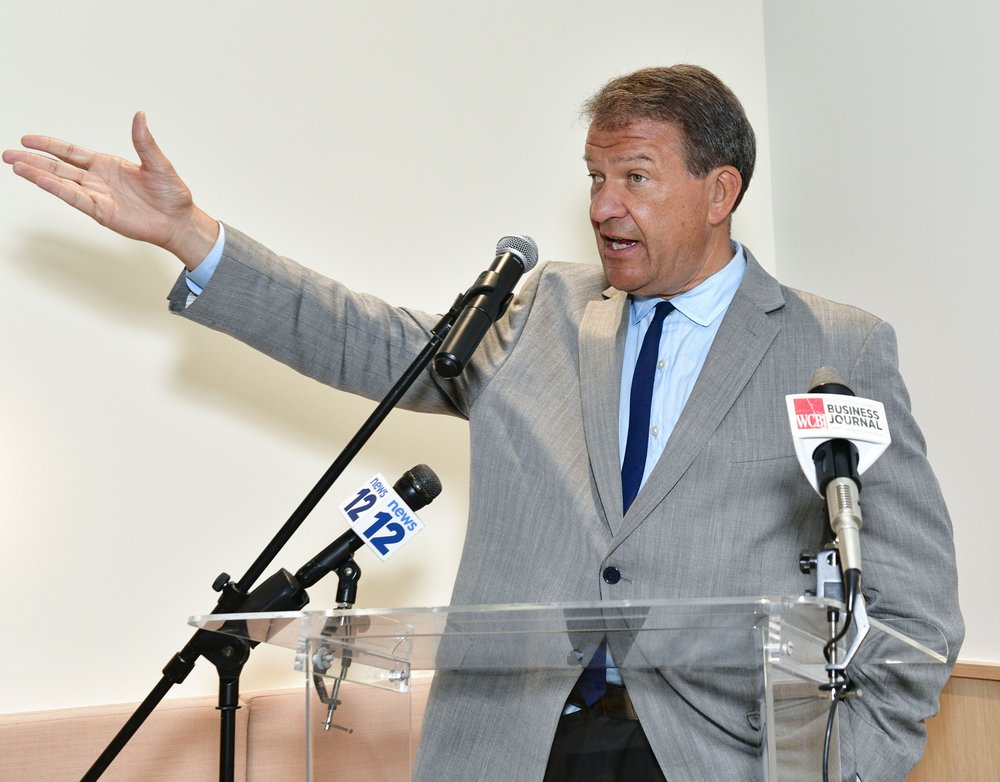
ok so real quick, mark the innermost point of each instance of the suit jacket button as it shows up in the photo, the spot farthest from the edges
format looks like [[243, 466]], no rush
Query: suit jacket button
[[611, 575]]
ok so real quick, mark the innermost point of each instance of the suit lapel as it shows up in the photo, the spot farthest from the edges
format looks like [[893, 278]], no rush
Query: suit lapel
[[602, 343], [743, 338]]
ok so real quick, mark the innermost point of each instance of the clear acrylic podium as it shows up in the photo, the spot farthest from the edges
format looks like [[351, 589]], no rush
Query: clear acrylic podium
[[777, 641]]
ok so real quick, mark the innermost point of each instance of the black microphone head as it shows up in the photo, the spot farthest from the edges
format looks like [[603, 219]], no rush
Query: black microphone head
[[523, 247], [827, 380], [418, 486]]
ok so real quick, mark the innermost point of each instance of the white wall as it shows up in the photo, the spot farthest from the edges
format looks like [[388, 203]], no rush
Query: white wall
[[884, 124], [389, 144]]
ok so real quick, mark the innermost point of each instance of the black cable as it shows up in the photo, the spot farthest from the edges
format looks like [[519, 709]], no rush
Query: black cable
[[840, 683], [839, 693]]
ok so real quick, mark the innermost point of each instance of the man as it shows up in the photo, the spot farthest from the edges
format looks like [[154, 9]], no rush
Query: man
[[576, 494]]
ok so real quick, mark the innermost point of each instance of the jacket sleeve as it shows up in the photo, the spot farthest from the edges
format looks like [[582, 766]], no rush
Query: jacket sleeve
[[354, 342]]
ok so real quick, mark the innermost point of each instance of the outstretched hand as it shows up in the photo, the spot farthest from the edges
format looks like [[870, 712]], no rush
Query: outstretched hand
[[148, 202]]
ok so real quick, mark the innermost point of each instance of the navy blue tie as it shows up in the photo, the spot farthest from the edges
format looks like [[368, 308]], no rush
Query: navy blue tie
[[640, 401], [594, 679]]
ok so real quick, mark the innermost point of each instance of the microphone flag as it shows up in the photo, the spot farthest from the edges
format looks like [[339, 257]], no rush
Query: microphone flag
[[380, 517], [816, 418]]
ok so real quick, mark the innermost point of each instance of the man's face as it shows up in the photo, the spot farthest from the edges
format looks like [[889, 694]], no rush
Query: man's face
[[656, 231]]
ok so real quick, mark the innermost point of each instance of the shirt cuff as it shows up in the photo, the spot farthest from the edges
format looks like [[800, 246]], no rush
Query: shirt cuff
[[198, 278]]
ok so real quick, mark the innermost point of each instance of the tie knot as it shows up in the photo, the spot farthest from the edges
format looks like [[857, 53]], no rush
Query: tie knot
[[663, 309]]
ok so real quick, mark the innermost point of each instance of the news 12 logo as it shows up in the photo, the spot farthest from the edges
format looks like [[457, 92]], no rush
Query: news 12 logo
[[380, 517], [810, 413]]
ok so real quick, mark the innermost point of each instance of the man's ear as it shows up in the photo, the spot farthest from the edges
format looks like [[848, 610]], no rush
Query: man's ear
[[725, 183]]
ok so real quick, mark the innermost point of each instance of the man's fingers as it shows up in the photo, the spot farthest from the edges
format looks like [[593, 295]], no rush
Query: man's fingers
[[63, 189], [49, 165], [71, 153], [150, 154]]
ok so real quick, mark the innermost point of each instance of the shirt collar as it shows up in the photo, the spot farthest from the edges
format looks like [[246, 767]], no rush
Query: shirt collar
[[705, 302]]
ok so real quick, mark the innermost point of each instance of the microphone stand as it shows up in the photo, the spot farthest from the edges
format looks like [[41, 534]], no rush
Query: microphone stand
[[228, 652], [830, 584]]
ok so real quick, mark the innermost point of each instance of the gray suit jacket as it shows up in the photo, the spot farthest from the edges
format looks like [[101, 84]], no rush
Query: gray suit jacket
[[725, 512]]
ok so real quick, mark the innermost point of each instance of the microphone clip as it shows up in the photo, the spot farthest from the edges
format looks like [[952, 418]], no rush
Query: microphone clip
[[826, 566]]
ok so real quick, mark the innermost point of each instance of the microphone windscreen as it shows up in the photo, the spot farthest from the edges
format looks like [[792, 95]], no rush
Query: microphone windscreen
[[418, 486], [523, 246], [827, 380], [825, 375]]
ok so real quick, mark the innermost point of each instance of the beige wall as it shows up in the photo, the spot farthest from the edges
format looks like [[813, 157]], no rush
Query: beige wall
[[141, 455], [389, 144]]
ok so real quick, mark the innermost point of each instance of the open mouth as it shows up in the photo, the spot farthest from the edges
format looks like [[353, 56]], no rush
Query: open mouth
[[618, 243]]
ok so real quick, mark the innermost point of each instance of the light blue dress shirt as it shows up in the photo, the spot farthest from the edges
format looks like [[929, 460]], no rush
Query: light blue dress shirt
[[688, 334], [198, 278]]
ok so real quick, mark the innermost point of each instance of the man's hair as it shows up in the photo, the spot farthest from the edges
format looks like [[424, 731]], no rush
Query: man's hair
[[711, 119]]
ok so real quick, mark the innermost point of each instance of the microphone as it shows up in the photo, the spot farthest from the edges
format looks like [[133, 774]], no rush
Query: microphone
[[485, 302], [837, 437], [417, 487], [836, 462]]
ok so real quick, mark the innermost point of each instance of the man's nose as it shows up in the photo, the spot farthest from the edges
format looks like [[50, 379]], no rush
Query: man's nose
[[607, 204]]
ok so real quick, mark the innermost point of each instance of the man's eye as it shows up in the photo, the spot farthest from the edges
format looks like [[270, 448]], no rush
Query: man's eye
[[636, 179], [595, 179]]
